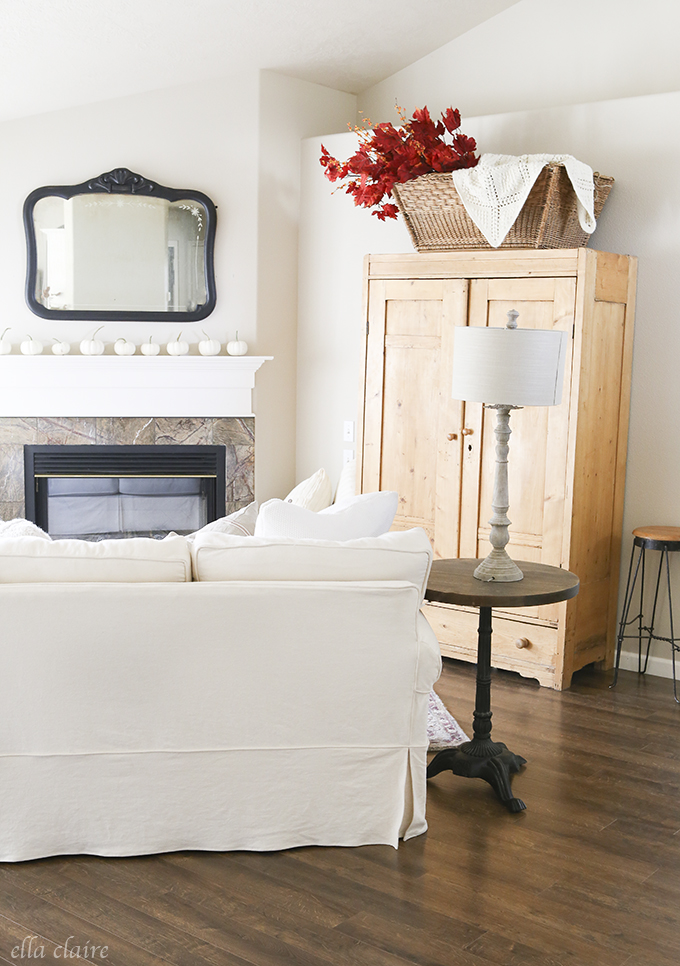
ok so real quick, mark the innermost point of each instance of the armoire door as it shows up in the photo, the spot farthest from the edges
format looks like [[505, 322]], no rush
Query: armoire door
[[412, 440], [537, 461]]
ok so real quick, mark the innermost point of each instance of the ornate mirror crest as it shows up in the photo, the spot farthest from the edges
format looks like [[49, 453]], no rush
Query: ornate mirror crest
[[120, 248]]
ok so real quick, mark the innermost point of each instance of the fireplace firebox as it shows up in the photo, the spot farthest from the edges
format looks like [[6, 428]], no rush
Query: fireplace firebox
[[97, 492]]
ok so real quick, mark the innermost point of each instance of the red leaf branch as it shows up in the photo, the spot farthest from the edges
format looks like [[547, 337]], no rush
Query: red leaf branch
[[387, 156]]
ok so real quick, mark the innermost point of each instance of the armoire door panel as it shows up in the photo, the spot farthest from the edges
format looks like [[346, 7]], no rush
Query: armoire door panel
[[519, 289], [409, 443], [407, 447]]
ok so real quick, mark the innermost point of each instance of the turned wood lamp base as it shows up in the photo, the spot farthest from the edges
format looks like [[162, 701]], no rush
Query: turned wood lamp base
[[498, 565]]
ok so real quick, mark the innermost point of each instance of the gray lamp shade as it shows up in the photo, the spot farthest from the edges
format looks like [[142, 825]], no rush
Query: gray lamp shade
[[508, 367]]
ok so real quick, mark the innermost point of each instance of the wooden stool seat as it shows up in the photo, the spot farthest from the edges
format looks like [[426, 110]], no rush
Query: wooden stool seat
[[658, 535]]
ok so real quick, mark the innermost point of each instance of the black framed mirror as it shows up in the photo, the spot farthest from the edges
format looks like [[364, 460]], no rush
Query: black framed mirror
[[120, 248]]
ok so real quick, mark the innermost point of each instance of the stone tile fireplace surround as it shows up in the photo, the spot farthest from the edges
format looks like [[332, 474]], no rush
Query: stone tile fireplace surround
[[127, 401], [236, 433]]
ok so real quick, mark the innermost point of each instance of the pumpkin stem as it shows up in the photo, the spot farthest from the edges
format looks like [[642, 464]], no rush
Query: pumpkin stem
[[97, 330], [5, 332], [179, 336]]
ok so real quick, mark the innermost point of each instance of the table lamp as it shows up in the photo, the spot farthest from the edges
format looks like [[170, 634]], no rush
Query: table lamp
[[506, 369]]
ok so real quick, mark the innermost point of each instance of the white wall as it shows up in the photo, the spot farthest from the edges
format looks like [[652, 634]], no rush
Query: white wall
[[185, 137], [641, 218], [290, 110], [238, 140], [334, 237], [543, 53]]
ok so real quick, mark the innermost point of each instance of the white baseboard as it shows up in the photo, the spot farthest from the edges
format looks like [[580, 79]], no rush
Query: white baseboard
[[659, 666]]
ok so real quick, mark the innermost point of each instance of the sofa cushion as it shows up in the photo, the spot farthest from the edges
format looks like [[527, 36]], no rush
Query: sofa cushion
[[314, 493], [404, 555], [138, 559], [366, 515]]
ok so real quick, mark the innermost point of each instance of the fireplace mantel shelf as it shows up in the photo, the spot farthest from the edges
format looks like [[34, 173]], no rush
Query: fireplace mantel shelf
[[105, 385]]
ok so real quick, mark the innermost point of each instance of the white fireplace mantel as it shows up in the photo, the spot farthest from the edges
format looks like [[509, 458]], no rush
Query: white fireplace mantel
[[49, 385]]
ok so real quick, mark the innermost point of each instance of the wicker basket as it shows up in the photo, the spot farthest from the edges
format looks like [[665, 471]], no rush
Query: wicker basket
[[438, 222]]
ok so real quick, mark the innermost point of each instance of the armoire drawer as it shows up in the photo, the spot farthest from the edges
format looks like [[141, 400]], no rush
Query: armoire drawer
[[516, 645]]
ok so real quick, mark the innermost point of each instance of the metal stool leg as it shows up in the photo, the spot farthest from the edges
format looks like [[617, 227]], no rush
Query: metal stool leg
[[640, 616], [670, 612], [651, 623], [627, 599]]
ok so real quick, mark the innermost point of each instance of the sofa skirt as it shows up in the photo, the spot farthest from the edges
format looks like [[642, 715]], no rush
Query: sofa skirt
[[120, 804]]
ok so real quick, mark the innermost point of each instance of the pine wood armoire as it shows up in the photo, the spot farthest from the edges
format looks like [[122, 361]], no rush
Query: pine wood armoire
[[567, 463]]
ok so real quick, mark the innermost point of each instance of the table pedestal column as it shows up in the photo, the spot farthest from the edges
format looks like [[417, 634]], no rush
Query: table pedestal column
[[482, 757]]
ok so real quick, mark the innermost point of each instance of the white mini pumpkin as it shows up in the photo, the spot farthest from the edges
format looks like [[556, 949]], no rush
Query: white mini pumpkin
[[238, 347], [149, 348], [124, 348], [61, 348], [178, 347], [5, 344], [208, 346], [92, 347], [31, 347]]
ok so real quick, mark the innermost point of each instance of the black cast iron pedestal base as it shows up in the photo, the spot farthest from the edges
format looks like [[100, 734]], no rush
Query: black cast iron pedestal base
[[489, 760], [482, 757]]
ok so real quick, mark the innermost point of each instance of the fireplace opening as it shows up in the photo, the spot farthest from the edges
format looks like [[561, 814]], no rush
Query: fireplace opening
[[104, 492]]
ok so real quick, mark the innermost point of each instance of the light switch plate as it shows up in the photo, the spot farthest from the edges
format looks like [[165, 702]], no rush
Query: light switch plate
[[348, 431], [347, 455]]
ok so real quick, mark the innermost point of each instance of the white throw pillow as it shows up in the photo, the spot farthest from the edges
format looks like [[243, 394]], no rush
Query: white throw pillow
[[241, 523], [366, 515], [315, 493], [21, 528], [347, 484], [401, 555], [138, 559]]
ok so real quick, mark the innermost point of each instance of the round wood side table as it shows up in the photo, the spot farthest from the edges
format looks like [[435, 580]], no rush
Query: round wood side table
[[452, 582]]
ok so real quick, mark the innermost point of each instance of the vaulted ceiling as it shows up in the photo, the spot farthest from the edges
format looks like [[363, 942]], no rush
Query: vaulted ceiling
[[60, 53]]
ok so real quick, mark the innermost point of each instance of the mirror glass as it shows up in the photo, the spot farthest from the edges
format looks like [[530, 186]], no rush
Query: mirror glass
[[121, 249]]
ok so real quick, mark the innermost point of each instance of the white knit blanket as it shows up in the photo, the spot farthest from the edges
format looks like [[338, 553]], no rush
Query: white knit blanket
[[494, 191]]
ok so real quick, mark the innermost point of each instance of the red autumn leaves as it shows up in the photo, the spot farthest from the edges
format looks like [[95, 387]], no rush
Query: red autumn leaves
[[387, 156]]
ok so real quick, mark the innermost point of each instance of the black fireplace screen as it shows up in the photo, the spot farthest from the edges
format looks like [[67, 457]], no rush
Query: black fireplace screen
[[96, 492]]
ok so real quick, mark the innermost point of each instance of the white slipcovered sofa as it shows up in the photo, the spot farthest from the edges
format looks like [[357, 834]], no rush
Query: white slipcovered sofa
[[237, 693]]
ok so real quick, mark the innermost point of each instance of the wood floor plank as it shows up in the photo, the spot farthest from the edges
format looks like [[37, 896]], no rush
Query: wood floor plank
[[13, 934], [235, 880], [418, 945], [38, 916], [267, 932]]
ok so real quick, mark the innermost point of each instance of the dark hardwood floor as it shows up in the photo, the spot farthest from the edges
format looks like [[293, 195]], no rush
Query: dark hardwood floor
[[589, 874]]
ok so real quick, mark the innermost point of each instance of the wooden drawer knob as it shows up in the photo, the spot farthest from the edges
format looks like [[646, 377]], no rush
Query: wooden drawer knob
[[522, 642], [468, 432], [452, 436]]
